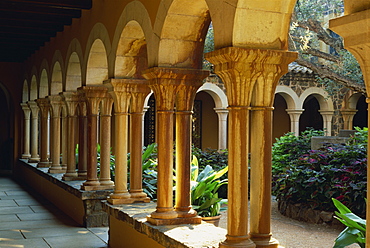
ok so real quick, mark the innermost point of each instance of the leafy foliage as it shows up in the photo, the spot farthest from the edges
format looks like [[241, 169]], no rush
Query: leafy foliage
[[204, 187], [335, 171], [355, 231]]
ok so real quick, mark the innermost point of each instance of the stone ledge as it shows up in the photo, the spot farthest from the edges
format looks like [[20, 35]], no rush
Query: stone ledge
[[185, 235]]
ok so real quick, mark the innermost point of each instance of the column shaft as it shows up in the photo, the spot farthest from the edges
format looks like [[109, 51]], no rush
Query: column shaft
[[34, 132], [82, 146], [26, 131], [56, 107]]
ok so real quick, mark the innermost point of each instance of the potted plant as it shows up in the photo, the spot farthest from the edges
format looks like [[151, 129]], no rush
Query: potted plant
[[204, 195]]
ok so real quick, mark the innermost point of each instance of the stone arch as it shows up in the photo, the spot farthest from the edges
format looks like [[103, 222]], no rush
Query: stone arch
[[56, 85], [321, 95], [352, 100], [44, 84], [73, 66], [33, 88], [181, 45], [131, 31], [97, 49], [289, 95], [73, 74], [217, 94], [25, 92], [131, 55]]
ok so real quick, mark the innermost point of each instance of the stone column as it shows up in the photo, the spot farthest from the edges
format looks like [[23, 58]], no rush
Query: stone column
[[354, 28], [56, 108], [71, 99], [240, 69], [164, 83], [34, 132], [272, 67], [186, 92], [222, 127], [294, 115], [120, 90], [64, 137], [44, 106], [92, 95], [82, 141], [139, 92], [327, 116], [105, 142], [26, 131], [348, 115]]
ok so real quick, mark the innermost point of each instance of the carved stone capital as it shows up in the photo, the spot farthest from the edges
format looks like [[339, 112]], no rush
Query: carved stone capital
[[240, 69], [26, 110], [44, 106], [34, 109], [92, 95]]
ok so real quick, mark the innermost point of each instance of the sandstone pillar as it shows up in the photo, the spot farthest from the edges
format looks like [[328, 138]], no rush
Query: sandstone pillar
[[44, 106], [82, 141], [272, 67], [119, 89], [92, 95], [184, 104], [240, 69], [139, 92], [56, 108], [222, 127], [294, 115], [327, 116], [164, 83], [34, 132], [26, 131], [105, 142], [71, 99], [348, 115]]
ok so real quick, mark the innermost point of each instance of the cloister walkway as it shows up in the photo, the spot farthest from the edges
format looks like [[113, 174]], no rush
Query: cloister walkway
[[28, 220]]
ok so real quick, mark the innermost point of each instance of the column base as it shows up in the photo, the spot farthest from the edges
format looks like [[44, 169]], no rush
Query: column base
[[33, 160], [246, 243], [56, 170], [70, 176], [186, 214], [175, 221], [26, 156], [137, 194], [264, 240], [43, 165], [107, 183]]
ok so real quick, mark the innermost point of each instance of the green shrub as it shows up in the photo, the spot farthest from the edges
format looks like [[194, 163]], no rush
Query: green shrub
[[334, 171]]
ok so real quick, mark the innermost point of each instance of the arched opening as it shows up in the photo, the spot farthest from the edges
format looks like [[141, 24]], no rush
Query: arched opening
[[311, 116], [44, 86], [205, 122], [6, 131], [360, 118], [281, 119], [56, 80], [149, 122], [73, 76], [97, 65]]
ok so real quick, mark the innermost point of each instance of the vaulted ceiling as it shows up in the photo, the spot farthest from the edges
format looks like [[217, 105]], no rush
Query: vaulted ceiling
[[25, 25]]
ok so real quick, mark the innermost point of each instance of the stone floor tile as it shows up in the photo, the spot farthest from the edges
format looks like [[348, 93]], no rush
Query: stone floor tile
[[40, 209], [38, 223], [53, 232], [9, 218], [28, 202], [101, 232], [84, 240], [18, 197], [8, 203], [15, 210], [25, 243], [36, 216], [10, 235]]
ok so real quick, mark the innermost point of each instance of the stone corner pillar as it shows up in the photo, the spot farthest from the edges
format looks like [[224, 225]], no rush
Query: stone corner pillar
[[294, 115], [347, 115], [327, 116]]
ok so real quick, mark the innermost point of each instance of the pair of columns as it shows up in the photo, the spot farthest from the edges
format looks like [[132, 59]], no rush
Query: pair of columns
[[31, 132], [250, 77]]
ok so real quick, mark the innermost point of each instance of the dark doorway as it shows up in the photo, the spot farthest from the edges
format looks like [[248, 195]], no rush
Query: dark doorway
[[311, 116], [6, 139], [360, 118]]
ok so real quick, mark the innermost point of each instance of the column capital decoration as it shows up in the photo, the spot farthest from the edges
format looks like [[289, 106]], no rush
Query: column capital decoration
[[44, 106], [120, 90], [106, 106], [56, 105], [26, 110], [71, 99], [34, 108], [348, 111], [240, 69], [92, 95], [167, 81]]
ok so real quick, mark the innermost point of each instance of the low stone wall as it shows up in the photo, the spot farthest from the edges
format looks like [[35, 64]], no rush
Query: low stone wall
[[304, 213], [85, 207]]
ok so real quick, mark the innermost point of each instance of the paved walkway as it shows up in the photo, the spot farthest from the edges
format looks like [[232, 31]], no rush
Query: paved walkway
[[29, 221]]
